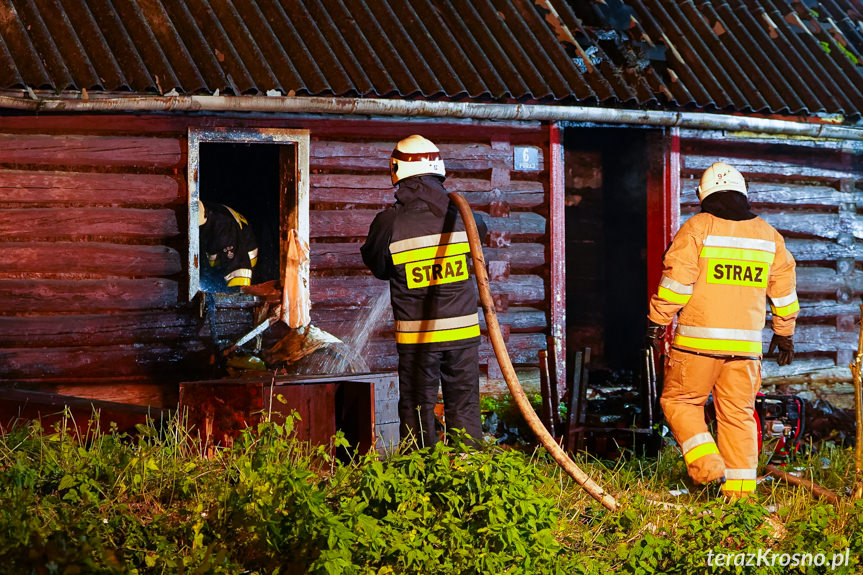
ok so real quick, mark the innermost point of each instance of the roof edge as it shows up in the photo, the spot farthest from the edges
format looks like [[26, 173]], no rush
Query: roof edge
[[430, 109]]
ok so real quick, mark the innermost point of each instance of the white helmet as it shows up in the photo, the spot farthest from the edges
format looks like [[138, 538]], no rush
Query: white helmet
[[415, 156], [720, 177]]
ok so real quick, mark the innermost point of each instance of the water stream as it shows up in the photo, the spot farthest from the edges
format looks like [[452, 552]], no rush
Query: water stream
[[347, 358]]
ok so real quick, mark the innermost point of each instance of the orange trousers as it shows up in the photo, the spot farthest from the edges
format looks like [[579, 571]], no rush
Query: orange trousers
[[734, 382]]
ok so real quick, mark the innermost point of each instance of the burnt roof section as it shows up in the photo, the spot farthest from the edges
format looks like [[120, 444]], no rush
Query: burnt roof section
[[763, 56]]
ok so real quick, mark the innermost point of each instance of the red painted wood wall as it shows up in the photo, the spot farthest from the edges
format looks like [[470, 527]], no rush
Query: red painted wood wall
[[92, 222]]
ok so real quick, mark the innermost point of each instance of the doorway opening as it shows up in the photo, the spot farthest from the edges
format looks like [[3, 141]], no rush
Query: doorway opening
[[606, 238]]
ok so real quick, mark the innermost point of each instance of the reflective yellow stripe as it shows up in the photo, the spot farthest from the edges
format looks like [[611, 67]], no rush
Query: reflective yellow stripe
[[699, 451], [744, 485], [671, 296], [430, 253], [718, 344], [737, 254], [437, 336], [786, 309], [239, 281], [438, 324]]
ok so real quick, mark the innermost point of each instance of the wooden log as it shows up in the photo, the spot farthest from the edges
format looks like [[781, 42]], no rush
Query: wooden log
[[77, 150], [355, 223], [89, 258], [87, 296], [818, 281], [114, 223], [764, 168], [164, 361], [352, 292], [340, 149], [330, 128], [813, 225], [519, 195], [768, 193], [328, 256], [821, 250], [695, 139], [817, 338], [345, 322], [89, 188], [383, 181], [98, 329], [820, 309]]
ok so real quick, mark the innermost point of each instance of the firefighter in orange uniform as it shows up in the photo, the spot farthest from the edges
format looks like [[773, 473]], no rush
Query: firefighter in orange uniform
[[717, 271]]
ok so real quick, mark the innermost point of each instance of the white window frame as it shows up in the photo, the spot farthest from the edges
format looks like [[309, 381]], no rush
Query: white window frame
[[197, 136]]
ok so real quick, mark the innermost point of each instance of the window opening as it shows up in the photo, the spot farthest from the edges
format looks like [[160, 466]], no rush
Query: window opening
[[262, 175]]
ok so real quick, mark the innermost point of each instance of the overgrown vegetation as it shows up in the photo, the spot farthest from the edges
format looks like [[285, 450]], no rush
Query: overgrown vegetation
[[112, 503]]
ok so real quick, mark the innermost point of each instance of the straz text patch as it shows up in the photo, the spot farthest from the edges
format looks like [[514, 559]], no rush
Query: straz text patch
[[437, 271], [737, 272]]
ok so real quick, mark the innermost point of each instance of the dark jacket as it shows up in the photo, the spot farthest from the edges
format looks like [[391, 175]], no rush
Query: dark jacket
[[229, 243], [420, 246]]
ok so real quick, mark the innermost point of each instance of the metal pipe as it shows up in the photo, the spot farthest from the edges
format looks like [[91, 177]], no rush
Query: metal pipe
[[427, 109]]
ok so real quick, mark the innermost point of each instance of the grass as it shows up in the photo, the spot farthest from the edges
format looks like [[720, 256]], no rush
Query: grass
[[94, 502]]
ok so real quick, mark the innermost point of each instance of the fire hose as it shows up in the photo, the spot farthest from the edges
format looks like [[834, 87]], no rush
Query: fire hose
[[515, 389]]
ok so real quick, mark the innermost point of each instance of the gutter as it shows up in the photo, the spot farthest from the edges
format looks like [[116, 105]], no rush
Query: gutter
[[430, 109]]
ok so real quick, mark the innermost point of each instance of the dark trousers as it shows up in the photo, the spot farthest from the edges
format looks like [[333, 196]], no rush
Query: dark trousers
[[420, 373]]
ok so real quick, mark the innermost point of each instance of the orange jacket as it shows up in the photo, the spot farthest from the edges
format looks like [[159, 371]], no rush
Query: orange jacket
[[716, 274]]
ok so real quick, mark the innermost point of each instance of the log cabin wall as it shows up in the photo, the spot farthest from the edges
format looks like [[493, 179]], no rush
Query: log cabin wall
[[812, 192], [92, 220]]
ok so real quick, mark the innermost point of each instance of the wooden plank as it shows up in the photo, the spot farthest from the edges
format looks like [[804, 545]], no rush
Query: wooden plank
[[125, 190], [817, 225], [817, 338], [88, 296], [470, 150], [394, 128], [384, 182], [98, 329], [357, 291], [365, 156], [798, 195], [56, 223], [329, 256], [343, 322], [107, 361], [823, 308], [697, 139], [825, 281], [355, 223], [819, 250], [519, 195], [77, 150], [89, 258], [765, 168]]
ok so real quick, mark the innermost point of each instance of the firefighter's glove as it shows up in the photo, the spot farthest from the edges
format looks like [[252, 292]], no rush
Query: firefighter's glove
[[785, 343], [655, 333]]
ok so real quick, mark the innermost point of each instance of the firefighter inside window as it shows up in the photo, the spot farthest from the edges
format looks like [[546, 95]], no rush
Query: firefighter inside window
[[228, 246]]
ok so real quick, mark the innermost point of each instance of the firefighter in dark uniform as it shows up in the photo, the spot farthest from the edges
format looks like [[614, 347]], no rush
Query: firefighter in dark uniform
[[420, 246], [229, 244]]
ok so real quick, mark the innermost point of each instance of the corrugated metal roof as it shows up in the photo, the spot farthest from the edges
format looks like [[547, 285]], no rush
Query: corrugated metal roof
[[768, 56]]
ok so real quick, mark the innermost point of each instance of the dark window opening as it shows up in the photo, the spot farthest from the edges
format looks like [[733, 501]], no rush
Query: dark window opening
[[245, 177]]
